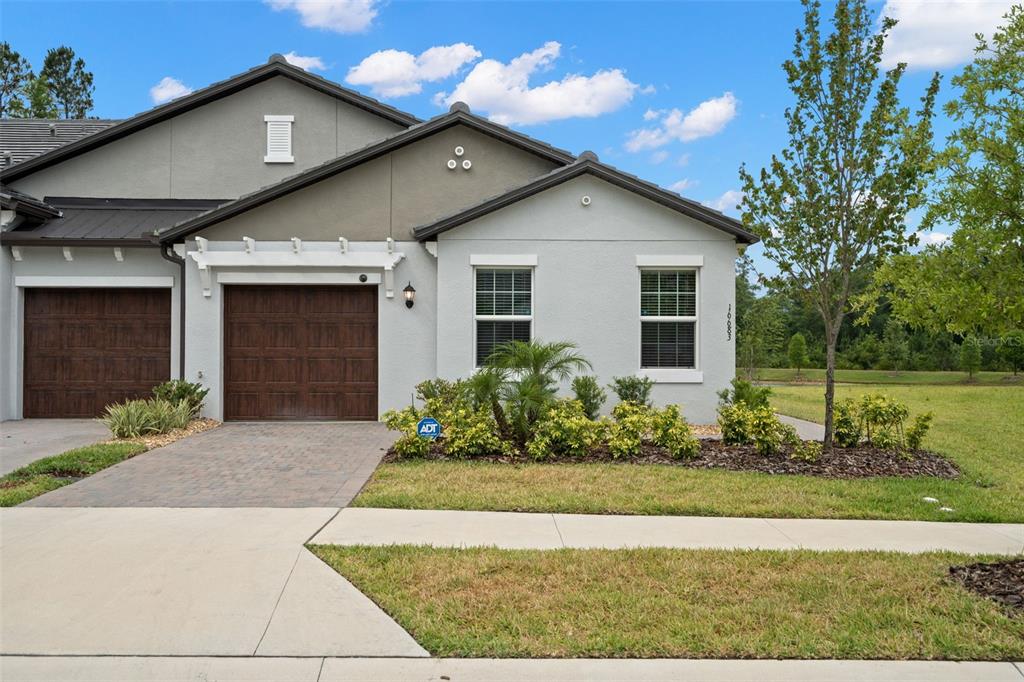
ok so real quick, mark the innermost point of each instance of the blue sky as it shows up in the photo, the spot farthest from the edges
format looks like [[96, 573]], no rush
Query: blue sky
[[701, 80]]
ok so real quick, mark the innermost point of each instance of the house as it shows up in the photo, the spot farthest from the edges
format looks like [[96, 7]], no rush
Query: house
[[307, 252]]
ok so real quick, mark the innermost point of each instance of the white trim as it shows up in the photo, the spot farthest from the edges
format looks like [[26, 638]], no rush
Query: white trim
[[118, 254], [670, 261], [503, 260], [279, 124], [93, 282], [67, 253], [278, 118], [664, 375], [431, 248], [503, 318], [16, 253], [296, 278]]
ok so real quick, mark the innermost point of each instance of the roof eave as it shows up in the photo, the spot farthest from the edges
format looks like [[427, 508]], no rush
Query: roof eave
[[27, 239]]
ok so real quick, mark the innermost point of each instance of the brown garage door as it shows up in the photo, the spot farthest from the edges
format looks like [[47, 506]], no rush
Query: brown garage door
[[87, 348], [297, 352]]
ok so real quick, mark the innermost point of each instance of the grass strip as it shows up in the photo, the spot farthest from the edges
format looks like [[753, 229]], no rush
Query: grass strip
[[50, 473]]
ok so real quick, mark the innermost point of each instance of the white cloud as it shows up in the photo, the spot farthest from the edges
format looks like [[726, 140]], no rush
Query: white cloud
[[340, 16], [648, 90], [307, 63], [652, 114], [682, 185], [504, 92], [167, 89], [394, 73], [659, 157], [932, 238], [728, 201], [683, 160], [706, 119], [938, 33]]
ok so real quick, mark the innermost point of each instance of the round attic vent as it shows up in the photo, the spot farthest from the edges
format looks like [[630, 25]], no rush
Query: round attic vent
[[467, 164], [452, 164], [459, 151]]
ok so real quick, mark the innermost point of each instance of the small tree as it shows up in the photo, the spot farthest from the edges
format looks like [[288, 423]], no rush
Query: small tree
[[895, 345], [798, 352], [836, 199], [70, 84], [15, 72], [40, 102], [1011, 350], [970, 356], [759, 334]]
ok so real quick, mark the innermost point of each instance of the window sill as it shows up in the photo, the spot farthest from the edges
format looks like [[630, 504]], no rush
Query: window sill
[[673, 376], [278, 159]]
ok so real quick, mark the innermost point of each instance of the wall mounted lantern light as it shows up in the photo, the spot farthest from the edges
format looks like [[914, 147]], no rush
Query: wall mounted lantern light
[[410, 295]]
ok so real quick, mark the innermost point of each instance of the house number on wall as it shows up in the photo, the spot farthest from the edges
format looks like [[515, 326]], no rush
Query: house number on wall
[[728, 323]]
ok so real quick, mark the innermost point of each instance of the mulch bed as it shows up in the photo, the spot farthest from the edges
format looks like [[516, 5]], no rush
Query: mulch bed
[[1002, 581], [859, 462]]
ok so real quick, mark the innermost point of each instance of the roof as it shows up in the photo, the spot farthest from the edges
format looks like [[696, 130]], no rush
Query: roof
[[24, 138], [117, 222], [458, 115], [26, 205], [276, 66], [589, 164]]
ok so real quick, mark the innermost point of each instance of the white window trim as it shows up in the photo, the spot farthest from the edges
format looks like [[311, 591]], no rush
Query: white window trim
[[670, 261], [279, 158], [141, 282], [498, 261], [671, 375], [503, 318]]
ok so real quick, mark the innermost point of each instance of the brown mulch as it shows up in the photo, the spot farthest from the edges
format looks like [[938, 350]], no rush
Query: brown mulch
[[1002, 581], [859, 462], [161, 439]]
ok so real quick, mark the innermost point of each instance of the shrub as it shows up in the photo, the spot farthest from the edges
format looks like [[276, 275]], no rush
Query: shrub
[[881, 419], [408, 444], [768, 433], [735, 422], [917, 432], [179, 390], [589, 394], [671, 432], [632, 422], [441, 388], [745, 392], [468, 432], [136, 418], [633, 389], [846, 425], [565, 429], [807, 451]]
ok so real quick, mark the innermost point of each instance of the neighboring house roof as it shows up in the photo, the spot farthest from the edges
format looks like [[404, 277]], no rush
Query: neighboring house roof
[[24, 138], [589, 164], [459, 114], [117, 222], [26, 205], [276, 66]]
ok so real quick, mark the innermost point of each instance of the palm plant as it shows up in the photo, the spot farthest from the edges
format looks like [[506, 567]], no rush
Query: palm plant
[[520, 380]]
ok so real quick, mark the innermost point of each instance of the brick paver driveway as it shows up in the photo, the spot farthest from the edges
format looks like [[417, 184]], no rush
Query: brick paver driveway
[[239, 465]]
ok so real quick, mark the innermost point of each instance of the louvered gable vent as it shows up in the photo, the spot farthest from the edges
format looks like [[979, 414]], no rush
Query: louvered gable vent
[[279, 139]]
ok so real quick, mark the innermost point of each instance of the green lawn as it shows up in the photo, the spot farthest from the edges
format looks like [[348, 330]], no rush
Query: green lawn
[[878, 376], [50, 473], [487, 602], [978, 427]]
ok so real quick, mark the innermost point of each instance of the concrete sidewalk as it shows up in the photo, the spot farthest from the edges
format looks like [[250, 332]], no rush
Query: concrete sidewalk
[[512, 530], [26, 440], [150, 669]]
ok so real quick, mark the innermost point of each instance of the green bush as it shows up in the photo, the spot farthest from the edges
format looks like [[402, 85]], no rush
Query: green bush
[[633, 389], [467, 432], [443, 389], [671, 432], [181, 391], [917, 432], [631, 424], [404, 421], [768, 433], [807, 451], [845, 424], [745, 392], [589, 394], [565, 429], [735, 421], [136, 418]]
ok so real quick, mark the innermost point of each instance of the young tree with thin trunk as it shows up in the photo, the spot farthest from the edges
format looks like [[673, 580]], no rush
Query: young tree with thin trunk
[[798, 352], [970, 356], [836, 198]]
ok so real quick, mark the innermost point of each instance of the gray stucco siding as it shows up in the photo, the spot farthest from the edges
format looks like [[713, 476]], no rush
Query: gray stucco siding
[[587, 283], [215, 151], [389, 196], [96, 263]]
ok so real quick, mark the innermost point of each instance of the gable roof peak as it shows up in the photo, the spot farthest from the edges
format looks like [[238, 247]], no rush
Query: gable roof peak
[[459, 106], [588, 156], [278, 58]]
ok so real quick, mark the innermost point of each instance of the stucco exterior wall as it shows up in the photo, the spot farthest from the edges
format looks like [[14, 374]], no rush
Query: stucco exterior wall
[[587, 283], [389, 196], [48, 261], [215, 151], [406, 337]]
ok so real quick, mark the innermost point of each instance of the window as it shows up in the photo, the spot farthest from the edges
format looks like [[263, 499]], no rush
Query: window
[[279, 139], [504, 308], [668, 318]]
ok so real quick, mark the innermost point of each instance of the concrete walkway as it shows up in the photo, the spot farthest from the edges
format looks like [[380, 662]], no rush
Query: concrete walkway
[[185, 582], [27, 440], [116, 669], [805, 429], [511, 530]]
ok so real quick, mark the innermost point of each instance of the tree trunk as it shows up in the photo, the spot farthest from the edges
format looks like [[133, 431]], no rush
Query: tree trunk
[[830, 386]]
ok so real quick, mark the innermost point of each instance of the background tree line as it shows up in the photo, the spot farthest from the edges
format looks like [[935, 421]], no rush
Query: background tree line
[[62, 88]]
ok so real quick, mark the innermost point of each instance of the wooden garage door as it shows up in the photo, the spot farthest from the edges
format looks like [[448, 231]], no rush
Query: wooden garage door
[[87, 348], [297, 352]]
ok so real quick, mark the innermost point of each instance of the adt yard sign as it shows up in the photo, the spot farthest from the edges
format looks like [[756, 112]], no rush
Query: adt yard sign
[[429, 428]]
